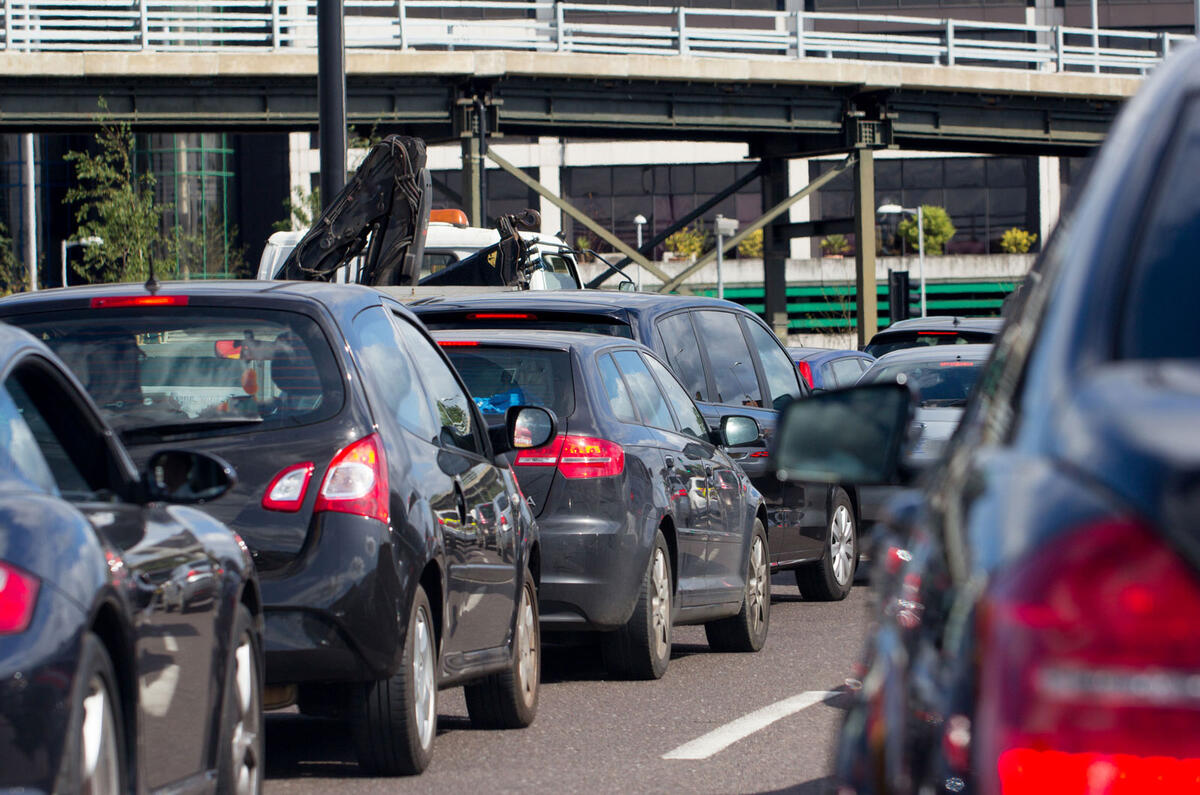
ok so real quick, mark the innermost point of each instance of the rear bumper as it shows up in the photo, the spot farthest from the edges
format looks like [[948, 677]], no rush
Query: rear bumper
[[592, 571]]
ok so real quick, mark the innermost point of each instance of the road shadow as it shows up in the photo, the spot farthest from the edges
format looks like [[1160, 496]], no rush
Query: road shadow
[[820, 786], [582, 661]]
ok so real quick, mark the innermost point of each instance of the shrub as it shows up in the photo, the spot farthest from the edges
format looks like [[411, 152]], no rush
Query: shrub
[[1017, 241], [938, 229], [687, 242], [836, 245], [752, 246]]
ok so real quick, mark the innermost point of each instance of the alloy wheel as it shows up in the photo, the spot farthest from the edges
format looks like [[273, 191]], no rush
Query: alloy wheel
[[424, 688], [660, 604], [841, 544], [100, 772], [756, 585], [527, 647], [246, 729]]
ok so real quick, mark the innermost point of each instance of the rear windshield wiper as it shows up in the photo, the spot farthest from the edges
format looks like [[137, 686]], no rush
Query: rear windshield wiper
[[171, 428]]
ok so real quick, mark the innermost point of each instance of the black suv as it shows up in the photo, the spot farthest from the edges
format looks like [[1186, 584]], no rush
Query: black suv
[[369, 495], [731, 364]]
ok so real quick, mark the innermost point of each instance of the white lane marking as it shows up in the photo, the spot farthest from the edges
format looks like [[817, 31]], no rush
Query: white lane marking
[[724, 736]]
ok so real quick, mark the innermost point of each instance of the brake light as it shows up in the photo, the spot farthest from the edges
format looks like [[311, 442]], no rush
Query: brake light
[[806, 371], [117, 301], [1090, 674], [356, 481], [577, 457], [458, 343], [286, 490], [18, 596], [501, 316], [936, 333]]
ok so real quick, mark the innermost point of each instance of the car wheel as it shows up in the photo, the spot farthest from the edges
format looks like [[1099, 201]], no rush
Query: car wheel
[[94, 760], [509, 700], [830, 578], [747, 631], [642, 648], [394, 720], [241, 761]]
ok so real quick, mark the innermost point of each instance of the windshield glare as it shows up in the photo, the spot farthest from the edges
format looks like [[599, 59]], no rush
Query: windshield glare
[[940, 383], [500, 378]]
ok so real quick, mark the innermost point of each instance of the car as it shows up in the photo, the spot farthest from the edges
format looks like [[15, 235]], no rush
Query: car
[[645, 522], [731, 364], [1036, 627], [366, 479], [934, 330], [107, 685], [829, 368]]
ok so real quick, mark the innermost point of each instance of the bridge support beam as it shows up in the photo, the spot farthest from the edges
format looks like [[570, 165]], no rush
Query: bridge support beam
[[775, 246], [867, 310], [472, 165]]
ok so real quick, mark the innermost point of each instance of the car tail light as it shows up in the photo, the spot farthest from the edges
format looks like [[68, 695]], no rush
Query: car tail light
[[118, 301], [805, 370], [1090, 672], [501, 316], [458, 343], [357, 481], [287, 489], [577, 457], [18, 596]]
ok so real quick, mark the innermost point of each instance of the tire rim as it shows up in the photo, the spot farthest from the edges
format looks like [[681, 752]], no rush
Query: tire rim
[[100, 766], [527, 646], [423, 684], [660, 604], [246, 730], [756, 586], [841, 544]]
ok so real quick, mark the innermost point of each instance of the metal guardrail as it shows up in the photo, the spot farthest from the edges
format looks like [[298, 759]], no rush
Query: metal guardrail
[[221, 25]]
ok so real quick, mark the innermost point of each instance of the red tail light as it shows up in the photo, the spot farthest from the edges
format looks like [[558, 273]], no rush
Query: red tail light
[[458, 343], [118, 301], [287, 489], [806, 372], [18, 596], [501, 316], [1090, 680], [357, 481], [577, 457]]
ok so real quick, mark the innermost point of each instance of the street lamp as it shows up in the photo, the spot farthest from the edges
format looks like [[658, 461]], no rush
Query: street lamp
[[896, 209], [91, 240], [726, 227], [639, 220]]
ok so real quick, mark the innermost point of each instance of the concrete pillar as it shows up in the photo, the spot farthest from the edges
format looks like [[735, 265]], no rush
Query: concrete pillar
[[1049, 195], [1044, 12], [801, 211], [549, 162], [867, 312], [775, 249], [472, 201]]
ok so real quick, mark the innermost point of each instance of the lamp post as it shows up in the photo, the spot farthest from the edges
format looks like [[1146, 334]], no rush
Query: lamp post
[[639, 221], [919, 212], [91, 240], [725, 227]]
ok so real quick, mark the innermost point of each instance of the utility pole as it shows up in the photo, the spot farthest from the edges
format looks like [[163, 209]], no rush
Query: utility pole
[[31, 254], [331, 89]]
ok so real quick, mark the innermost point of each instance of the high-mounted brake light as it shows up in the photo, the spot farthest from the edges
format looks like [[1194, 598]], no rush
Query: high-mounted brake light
[[118, 301], [458, 343], [501, 316], [936, 333], [577, 457], [356, 481], [18, 596], [287, 489], [806, 371]]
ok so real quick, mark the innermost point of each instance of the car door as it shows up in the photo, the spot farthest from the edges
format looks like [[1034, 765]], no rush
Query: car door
[[174, 598]]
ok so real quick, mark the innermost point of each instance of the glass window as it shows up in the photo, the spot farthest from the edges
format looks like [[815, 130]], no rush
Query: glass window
[[19, 448], [936, 383], [66, 474], [732, 367], [683, 352], [390, 373], [691, 421], [618, 394], [650, 401], [846, 371], [782, 379], [499, 378], [453, 409]]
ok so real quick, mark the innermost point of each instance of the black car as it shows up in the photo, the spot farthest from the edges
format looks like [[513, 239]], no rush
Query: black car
[[731, 364], [645, 522], [829, 368], [366, 475], [1038, 631], [113, 677], [934, 330]]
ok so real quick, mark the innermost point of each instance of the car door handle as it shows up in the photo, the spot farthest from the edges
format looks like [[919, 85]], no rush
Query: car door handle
[[670, 462]]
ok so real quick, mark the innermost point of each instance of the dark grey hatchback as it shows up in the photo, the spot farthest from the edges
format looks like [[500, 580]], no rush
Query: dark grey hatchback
[[645, 521]]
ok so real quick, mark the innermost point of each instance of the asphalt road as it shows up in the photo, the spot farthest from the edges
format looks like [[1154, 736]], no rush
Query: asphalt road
[[595, 734]]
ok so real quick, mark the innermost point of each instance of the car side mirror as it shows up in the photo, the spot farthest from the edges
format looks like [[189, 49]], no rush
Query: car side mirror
[[844, 436], [737, 430], [186, 477], [528, 427], [627, 287]]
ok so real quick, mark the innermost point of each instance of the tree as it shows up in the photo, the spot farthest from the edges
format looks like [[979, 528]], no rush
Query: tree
[[12, 270], [1017, 241], [938, 229], [116, 204], [688, 241], [302, 207], [211, 250], [752, 246]]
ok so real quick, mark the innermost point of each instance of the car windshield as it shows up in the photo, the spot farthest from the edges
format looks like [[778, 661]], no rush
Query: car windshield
[[886, 343], [499, 377], [196, 369], [945, 382]]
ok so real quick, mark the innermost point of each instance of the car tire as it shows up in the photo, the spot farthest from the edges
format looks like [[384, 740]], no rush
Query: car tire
[[241, 763], [94, 754], [509, 699], [747, 631], [394, 720], [830, 578], [642, 648]]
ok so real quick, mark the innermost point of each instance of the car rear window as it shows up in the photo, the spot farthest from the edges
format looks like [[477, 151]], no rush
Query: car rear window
[[914, 339], [945, 382], [528, 321], [499, 377], [196, 369]]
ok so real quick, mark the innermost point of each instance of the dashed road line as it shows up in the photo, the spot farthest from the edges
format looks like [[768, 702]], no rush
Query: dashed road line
[[724, 736]]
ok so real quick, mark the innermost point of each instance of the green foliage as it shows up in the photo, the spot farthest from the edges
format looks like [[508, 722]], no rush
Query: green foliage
[[835, 244], [1017, 241], [302, 208], [117, 205], [938, 229], [688, 241], [13, 274], [209, 251], [752, 246]]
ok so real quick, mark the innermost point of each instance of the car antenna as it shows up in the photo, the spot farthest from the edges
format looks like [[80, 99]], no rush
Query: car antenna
[[151, 283]]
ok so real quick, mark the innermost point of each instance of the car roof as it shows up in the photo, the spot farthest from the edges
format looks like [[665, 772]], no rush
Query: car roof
[[557, 340], [808, 354], [933, 353], [600, 301], [944, 323]]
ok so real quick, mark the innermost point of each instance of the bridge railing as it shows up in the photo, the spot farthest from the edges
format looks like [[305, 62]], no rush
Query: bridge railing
[[171, 25]]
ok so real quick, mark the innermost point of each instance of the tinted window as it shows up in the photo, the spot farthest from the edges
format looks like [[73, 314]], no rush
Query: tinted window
[[777, 366], [618, 394], [453, 410], [939, 383], [650, 402], [498, 378], [50, 448], [690, 420], [683, 352], [20, 452], [732, 368], [584, 323], [388, 369], [846, 371], [915, 339]]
